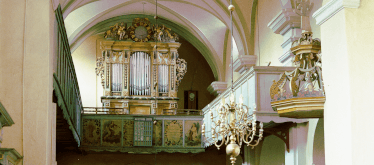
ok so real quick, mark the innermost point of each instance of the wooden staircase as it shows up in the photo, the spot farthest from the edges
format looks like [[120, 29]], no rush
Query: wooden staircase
[[64, 136]]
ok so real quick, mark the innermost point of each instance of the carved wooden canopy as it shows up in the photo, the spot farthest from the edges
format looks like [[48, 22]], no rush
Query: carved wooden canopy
[[141, 30]]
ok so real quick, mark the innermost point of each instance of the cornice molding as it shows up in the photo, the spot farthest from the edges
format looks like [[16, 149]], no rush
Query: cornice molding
[[244, 62], [333, 7], [286, 56], [217, 87], [285, 20]]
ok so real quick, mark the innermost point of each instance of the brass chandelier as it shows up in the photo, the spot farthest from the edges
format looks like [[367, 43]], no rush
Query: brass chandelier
[[234, 125]]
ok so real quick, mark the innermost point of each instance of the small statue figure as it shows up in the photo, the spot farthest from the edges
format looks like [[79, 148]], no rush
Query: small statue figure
[[159, 33], [108, 34], [122, 31], [176, 37]]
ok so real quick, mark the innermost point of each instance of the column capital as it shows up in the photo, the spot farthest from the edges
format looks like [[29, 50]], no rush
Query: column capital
[[285, 20], [217, 87], [331, 8], [244, 62]]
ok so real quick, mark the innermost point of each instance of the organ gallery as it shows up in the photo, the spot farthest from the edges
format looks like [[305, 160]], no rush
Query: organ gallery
[[139, 68]]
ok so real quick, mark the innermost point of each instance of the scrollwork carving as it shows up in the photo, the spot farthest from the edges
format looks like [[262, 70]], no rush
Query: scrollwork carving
[[100, 69], [160, 33], [181, 68], [306, 80]]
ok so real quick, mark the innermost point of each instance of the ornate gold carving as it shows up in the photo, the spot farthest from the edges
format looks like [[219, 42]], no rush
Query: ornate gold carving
[[306, 39], [173, 94], [163, 34], [141, 31], [107, 93], [306, 80], [117, 32], [163, 58], [181, 70], [140, 23], [100, 69]]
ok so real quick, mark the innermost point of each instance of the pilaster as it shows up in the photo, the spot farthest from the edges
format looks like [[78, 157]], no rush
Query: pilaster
[[39, 49], [298, 137], [333, 7], [286, 23], [344, 32]]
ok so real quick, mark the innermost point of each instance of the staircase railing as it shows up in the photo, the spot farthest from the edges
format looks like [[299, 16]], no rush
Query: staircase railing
[[65, 82]]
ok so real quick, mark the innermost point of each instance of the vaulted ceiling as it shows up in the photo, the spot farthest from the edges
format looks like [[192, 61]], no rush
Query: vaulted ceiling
[[204, 23]]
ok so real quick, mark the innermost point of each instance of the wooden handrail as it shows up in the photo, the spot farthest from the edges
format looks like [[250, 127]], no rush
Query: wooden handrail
[[65, 82], [121, 111]]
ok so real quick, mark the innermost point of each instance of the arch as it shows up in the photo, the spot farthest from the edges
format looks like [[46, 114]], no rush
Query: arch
[[273, 151], [213, 61], [319, 144]]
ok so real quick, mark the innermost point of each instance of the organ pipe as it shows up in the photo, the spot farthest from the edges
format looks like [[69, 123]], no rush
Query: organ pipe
[[116, 77], [140, 73]]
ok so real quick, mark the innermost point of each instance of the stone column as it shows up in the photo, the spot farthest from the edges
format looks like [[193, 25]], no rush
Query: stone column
[[27, 45], [39, 49], [347, 48], [298, 142]]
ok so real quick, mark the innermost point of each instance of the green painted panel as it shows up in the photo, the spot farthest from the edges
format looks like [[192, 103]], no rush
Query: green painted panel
[[157, 133], [173, 133], [192, 133], [128, 133], [91, 132], [111, 132]]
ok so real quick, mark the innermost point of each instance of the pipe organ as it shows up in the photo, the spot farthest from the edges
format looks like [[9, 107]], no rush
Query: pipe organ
[[138, 78], [140, 71]]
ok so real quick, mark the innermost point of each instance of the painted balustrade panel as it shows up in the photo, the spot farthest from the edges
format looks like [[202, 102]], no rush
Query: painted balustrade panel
[[154, 133]]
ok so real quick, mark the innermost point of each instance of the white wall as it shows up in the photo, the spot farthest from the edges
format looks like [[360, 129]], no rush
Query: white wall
[[84, 58]]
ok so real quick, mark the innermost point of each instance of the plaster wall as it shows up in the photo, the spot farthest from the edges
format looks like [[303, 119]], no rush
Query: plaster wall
[[84, 58], [359, 25], [245, 9], [11, 69], [337, 110], [267, 44], [272, 152], [26, 73], [316, 29]]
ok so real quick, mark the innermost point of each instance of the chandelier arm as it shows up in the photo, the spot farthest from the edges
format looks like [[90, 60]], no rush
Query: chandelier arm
[[219, 145], [257, 142], [252, 133], [227, 140], [250, 136]]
